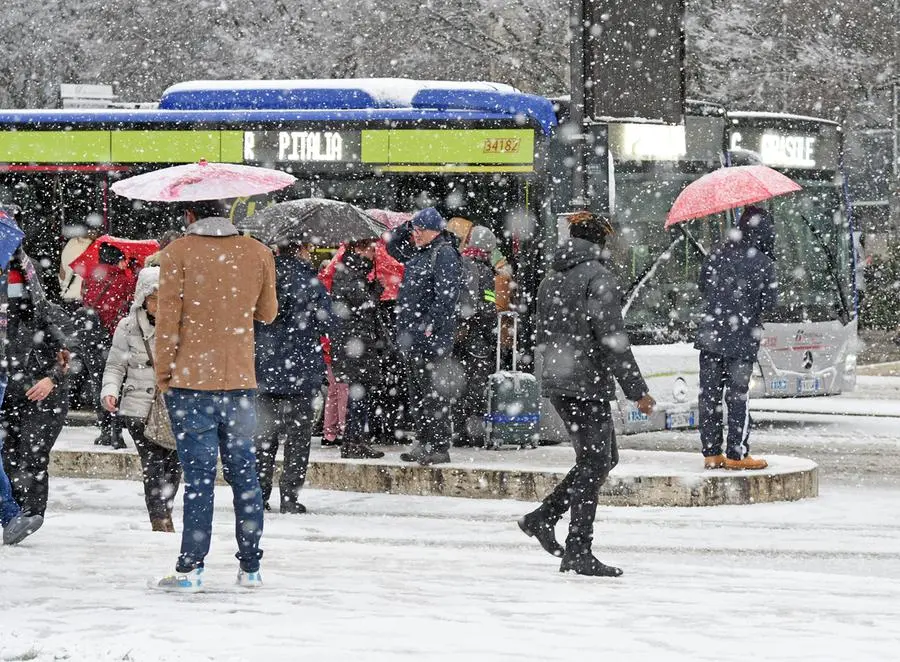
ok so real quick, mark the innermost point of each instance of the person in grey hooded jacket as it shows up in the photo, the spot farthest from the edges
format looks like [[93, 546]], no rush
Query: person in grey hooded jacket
[[129, 371], [585, 348], [738, 286]]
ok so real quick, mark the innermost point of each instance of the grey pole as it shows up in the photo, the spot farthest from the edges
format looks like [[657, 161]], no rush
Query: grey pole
[[576, 112]]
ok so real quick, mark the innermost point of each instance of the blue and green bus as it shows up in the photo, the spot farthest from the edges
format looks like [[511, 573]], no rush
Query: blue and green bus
[[495, 156]]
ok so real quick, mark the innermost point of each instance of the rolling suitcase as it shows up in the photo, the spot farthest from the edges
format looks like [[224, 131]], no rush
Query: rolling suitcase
[[513, 401]]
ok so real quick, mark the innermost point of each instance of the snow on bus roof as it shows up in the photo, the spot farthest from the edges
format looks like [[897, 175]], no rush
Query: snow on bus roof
[[391, 92], [759, 114], [359, 94]]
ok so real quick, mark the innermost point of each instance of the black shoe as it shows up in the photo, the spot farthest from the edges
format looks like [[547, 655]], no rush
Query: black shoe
[[292, 508], [333, 443], [117, 443], [103, 440], [359, 452], [587, 564], [535, 526], [462, 442], [426, 459]]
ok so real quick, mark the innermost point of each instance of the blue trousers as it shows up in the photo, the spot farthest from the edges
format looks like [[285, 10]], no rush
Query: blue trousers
[[207, 423], [720, 375], [9, 509]]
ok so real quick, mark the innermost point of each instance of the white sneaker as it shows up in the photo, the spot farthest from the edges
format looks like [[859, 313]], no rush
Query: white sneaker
[[249, 579], [181, 582]]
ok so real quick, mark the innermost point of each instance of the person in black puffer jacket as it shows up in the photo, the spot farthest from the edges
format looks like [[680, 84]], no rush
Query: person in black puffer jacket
[[585, 348], [357, 344]]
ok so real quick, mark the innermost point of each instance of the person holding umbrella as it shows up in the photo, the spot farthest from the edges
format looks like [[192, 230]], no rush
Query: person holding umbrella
[[213, 284], [290, 371], [738, 286], [357, 343]]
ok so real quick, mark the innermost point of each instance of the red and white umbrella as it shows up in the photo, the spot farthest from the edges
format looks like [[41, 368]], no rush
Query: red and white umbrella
[[202, 181], [728, 188]]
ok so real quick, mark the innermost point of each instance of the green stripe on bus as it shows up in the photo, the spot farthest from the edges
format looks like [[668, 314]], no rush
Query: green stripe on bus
[[165, 146], [447, 146], [375, 147], [54, 147], [232, 150]]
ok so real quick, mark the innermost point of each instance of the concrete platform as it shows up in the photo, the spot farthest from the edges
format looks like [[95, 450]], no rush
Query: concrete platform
[[642, 478]]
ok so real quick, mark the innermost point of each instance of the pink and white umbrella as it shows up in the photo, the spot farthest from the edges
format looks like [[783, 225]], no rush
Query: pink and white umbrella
[[727, 188], [202, 181]]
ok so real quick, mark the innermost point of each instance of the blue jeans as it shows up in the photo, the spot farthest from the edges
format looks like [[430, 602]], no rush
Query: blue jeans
[[206, 423], [9, 509]]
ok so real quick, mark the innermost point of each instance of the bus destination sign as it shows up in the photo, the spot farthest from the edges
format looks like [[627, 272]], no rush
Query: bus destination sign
[[302, 147], [790, 146]]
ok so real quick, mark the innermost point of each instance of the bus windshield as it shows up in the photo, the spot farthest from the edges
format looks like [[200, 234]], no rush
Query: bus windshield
[[812, 254], [667, 306]]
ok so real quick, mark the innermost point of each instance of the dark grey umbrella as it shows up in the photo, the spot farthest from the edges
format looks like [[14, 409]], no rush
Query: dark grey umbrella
[[316, 221]]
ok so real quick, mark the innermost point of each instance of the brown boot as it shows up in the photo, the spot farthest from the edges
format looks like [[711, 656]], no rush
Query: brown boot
[[163, 525], [746, 464], [714, 461]]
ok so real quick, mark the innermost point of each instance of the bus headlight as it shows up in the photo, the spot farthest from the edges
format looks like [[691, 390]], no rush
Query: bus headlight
[[679, 390]]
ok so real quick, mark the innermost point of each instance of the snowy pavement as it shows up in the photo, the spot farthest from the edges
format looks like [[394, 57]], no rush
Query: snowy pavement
[[376, 577]]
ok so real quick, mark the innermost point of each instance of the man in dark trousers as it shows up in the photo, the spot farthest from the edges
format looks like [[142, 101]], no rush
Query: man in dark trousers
[[477, 337], [738, 285], [585, 349], [290, 371], [426, 327]]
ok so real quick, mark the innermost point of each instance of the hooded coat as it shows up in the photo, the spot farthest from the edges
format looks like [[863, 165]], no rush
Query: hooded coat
[[581, 331], [289, 358], [738, 285], [129, 369], [429, 292]]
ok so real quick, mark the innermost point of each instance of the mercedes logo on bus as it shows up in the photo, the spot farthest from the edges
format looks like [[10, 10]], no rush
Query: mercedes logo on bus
[[807, 360]]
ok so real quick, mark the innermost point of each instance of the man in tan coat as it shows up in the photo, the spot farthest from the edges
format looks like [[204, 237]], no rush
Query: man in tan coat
[[213, 284]]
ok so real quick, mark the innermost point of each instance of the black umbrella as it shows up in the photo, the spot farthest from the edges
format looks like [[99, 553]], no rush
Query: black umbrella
[[316, 221]]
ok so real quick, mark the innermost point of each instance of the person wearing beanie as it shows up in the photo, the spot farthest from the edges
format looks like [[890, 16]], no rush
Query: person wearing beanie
[[476, 339], [738, 286], [426, 327], [585, 348], [38, 349], [129, 371]]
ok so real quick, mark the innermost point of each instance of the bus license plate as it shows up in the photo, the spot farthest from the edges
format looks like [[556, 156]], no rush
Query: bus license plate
[[810, 385], [680, 419]]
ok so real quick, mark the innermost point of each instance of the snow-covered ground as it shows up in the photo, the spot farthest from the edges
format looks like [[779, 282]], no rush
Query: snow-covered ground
[[376, 577]]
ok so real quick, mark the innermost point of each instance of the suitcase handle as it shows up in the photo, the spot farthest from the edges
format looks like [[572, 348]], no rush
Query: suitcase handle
[[515, 331]]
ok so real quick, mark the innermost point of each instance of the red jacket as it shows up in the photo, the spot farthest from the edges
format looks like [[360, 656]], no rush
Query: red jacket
[[109, 291]]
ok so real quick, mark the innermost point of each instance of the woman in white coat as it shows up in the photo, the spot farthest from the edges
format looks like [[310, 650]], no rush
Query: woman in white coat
[[129, 371]]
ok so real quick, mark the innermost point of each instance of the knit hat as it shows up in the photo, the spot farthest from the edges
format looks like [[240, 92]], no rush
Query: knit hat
[[483, 239], [15, 284], [589, 226], [429, 219]]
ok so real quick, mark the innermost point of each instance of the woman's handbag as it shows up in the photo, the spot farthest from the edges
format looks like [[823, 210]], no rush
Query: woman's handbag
[[157, 425]]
